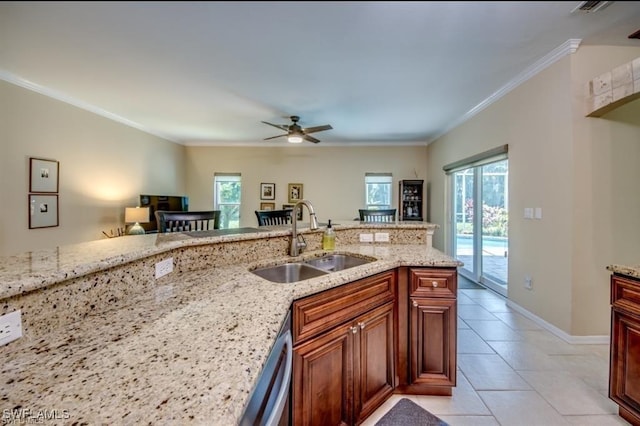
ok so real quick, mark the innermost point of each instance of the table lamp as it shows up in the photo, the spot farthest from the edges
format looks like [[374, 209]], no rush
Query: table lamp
[[136, 215]]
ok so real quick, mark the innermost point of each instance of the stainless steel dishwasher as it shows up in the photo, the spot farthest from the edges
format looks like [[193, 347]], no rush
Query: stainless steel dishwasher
[[269, 403]]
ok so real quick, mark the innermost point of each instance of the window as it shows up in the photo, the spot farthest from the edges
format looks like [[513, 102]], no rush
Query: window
[[227, 193], [378, 190]]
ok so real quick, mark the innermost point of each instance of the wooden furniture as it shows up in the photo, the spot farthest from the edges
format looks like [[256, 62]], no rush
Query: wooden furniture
[[163, 203], [343, 362], [410, 204], [178, 221], [357, 344], [624, 373], [377, 215], [274, 217], [427, 330]]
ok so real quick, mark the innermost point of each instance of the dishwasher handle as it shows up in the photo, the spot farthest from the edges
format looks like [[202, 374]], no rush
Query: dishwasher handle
[[283, 392]]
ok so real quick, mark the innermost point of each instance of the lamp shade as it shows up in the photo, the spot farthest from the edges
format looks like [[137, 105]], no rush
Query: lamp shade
[[136, 214]]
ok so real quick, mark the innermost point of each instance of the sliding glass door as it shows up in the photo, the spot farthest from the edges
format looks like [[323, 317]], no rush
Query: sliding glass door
[[480, 218]]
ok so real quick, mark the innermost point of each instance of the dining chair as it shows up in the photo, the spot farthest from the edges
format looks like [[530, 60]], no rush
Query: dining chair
[[377, 215], [274, 217], [180, 221]]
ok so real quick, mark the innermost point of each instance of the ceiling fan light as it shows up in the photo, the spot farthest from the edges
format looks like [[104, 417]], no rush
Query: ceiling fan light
[[295, 139]]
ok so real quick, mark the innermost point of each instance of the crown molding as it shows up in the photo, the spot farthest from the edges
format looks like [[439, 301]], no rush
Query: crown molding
[[18, 81], [568, 47]]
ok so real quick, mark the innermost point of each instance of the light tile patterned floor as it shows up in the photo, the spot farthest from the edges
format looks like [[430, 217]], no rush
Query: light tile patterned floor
[[511, 372]]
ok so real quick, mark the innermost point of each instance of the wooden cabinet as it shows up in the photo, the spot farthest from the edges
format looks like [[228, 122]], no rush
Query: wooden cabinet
[[624, 374], [427, 330], [343, 364], [410, 205]]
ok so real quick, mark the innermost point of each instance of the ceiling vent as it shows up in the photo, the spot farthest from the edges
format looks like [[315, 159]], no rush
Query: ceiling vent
[[591, 6]]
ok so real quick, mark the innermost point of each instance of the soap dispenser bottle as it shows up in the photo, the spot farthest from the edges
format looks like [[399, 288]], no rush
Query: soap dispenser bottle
[[329, 238]]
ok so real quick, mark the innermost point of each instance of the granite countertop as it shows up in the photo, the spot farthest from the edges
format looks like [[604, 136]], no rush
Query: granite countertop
[[631, 271], [36, 269], [191, 349]]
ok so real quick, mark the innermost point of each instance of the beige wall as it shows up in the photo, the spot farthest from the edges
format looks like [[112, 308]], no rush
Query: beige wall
[[104, 166], [571, 166], [333, 177]]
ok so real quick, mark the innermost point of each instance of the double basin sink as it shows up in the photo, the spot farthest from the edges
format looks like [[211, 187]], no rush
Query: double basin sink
[[303, 270]]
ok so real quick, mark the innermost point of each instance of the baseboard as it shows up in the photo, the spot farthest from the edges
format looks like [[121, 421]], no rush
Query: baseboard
[[574, 340]]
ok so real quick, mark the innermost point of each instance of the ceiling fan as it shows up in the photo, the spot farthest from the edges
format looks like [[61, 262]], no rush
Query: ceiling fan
[[295, 133]]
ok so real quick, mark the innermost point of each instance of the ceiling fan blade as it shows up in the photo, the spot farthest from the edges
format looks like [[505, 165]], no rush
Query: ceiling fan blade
[[279, 126], [310, 138], [273, 137], [317, 128]]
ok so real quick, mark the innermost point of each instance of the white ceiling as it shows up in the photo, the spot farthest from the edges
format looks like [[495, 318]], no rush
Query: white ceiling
[[209, 72]]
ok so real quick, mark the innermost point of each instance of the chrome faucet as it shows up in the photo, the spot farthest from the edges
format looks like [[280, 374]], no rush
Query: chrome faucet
[[296, 247]]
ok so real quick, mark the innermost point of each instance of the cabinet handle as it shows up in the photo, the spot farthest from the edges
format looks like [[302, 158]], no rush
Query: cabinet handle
[[434, 284], [415, 304], [361, 324], [354, 330]]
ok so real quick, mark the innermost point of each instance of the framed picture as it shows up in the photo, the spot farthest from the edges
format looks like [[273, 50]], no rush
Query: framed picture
[[295, 192], [267, 206], [290, 207], [267, 191], [43, 211], [43, 175]]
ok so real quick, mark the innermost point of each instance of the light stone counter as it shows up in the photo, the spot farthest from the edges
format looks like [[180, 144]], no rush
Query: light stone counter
[[631, 271], [187, 347]]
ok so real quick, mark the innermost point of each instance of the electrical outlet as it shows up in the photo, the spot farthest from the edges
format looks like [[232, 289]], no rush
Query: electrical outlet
[[528, 284], [382, 237], [164, 267], [366, 238], [10, 327]]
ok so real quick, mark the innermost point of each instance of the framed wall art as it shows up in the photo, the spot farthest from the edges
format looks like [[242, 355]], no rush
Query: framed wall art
[[267, 206], [295, 192], [43, 175], [43, 211], [267, 191]]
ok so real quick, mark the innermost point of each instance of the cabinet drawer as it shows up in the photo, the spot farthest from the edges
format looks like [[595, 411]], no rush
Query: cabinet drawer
[[315, 314], [625, 294], [433, 282]]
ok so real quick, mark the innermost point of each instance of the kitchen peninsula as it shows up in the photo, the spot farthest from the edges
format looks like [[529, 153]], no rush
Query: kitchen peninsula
[[106, 342]]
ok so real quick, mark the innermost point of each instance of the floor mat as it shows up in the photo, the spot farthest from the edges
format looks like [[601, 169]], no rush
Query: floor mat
[[408, 413], [466, 283]]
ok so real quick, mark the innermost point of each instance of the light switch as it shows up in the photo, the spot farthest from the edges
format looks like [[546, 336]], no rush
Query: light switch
[[528, 213], [538, 213]]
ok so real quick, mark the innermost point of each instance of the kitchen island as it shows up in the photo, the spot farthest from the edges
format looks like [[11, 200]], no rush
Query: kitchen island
[[105, 342]]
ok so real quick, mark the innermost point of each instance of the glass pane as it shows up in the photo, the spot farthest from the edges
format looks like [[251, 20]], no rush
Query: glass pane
[[495, 217], [463, 205], [378, 194], [229, 192], [229, 216]]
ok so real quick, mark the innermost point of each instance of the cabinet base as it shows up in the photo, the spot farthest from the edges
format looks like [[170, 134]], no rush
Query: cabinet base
[[424, 390], [629, 416]]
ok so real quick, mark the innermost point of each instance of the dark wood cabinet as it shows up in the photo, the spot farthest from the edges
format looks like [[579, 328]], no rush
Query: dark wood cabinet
[[411, 203], [624, 374], [427, 330], [356, 344], [343, 362]]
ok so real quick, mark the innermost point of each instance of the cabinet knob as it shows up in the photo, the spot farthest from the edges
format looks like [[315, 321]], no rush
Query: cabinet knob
[[415, 304], [361, 324], [434, 284], [354, 330]]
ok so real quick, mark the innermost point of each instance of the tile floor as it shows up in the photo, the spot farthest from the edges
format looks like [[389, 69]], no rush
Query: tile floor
[[511, 372]]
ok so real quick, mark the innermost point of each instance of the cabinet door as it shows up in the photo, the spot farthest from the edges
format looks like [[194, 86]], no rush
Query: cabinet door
[[323, 379], [373, 360], [624, 380], [433, 341]]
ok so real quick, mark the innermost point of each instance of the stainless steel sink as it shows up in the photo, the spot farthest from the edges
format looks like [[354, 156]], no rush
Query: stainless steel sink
[[337, 262], [289, 272]]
